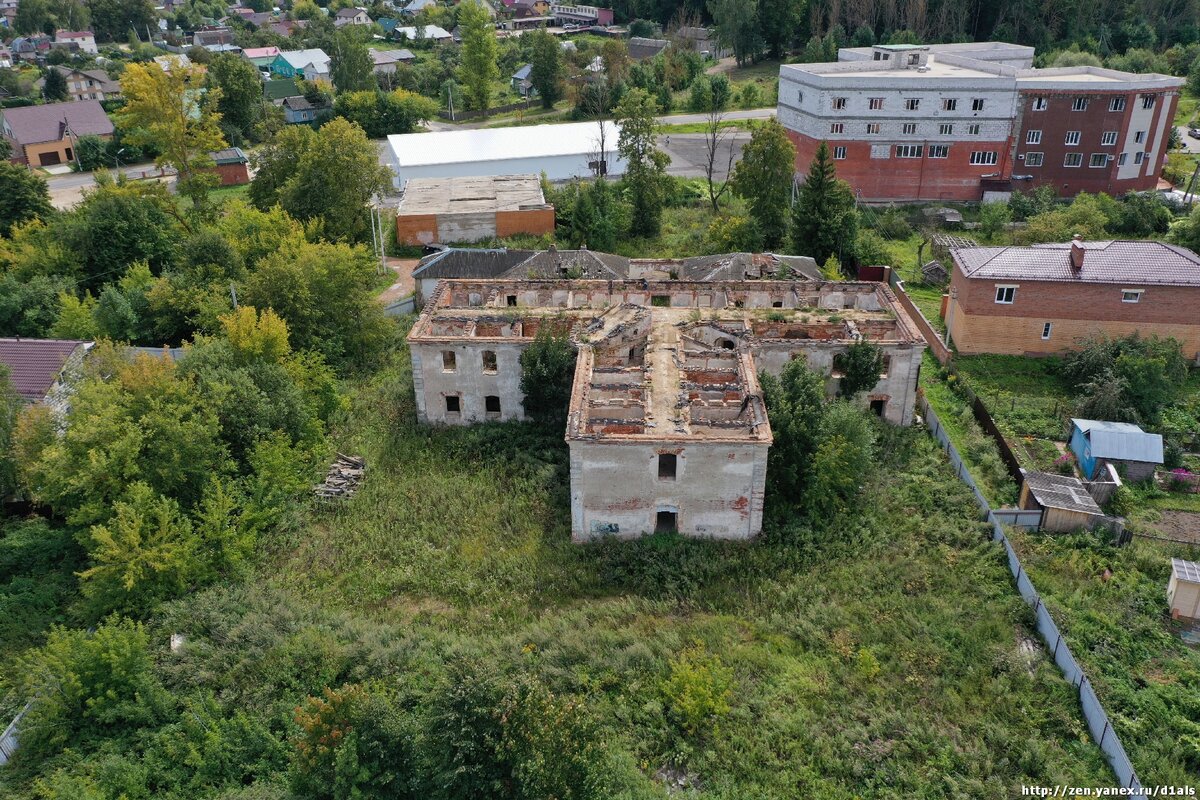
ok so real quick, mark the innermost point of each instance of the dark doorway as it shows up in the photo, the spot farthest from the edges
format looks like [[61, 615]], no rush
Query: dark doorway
[[666, 522], [877, 407]]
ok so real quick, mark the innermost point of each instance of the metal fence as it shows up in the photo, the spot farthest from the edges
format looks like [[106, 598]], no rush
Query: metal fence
[[1093, 711], [8, 741]]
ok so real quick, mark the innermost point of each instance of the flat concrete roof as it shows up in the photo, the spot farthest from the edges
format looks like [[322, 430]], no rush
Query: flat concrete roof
[[471, 195]]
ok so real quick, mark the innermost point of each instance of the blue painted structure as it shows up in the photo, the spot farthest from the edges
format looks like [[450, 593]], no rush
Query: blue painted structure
[[1122, 443]]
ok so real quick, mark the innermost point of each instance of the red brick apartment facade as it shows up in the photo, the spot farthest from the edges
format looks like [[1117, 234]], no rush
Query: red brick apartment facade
[[949, 122], [1043, 299]]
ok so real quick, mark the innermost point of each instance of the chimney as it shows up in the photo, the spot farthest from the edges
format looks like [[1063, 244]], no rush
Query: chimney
[[1077, 252]]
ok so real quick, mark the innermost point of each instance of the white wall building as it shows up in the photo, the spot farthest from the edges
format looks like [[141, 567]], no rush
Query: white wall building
[[561, 151]]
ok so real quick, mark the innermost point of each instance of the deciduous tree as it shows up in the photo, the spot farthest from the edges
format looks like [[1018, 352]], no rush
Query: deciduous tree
[[546, 68], [24, 196], [241, 100], [764, 178], [645, 165], [547, 370], [350, 64], [477, 69]]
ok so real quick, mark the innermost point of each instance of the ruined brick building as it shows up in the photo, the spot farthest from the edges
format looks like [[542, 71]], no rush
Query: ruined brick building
[[667, 427]]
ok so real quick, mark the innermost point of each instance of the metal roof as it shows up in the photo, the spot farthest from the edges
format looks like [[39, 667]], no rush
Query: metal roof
[[1185, 570], [34, 364], [1121, 441], [500, 144], [1061, 491], [49, 123], [1129, 263]]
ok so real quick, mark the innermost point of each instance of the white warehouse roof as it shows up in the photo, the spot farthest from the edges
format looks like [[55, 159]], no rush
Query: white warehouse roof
[[501, 144]]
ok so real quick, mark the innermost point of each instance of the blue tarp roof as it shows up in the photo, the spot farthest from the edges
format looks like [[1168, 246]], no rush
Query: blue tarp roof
[[1121, 441]]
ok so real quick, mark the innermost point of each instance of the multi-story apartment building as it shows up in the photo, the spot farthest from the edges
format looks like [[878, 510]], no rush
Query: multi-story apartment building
[[948, 122]]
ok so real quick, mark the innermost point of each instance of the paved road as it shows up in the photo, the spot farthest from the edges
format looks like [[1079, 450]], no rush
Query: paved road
[[67, 190], [689, 153], [1190, 145]]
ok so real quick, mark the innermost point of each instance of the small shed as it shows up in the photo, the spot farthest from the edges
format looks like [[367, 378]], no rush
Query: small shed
[[1063, 500], [231, 165], [1183, 590], [934, 273], [1123, 444]]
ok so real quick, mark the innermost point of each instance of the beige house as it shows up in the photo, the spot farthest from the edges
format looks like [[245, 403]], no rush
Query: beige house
[[91, 84], [1183, 590], [46, 135]]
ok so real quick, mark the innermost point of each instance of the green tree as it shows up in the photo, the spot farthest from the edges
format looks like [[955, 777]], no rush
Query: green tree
[[33, 17], [241, 100], [10, 405], [546, 67], [841, 463], [645, 165], [24, 196], [478, 68], [170, 112], [738, 27], [777, 23], [547, 371], [112, 20], [325, 294], [824, 217], [764, 178], [350, 64], [54, 88], [1086, 216], [380, 114], [795, 406], [993, 217], [861, 365], [119, 224], [328, 176]]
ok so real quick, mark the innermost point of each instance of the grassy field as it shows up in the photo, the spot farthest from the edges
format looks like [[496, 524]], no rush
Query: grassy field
[[1121, 633]]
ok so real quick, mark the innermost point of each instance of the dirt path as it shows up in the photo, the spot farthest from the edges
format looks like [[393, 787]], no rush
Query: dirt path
[[404, 284]]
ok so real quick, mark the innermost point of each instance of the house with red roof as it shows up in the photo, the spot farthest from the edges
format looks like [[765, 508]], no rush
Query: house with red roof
[[82, 41]]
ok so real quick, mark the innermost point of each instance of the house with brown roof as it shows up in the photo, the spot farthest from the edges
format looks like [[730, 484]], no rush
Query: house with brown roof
[[351, 16], [80, 41], [43, 370], [42, 136], [90, 84], [1047, 298]]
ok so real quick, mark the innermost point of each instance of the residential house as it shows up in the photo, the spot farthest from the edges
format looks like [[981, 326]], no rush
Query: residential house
[[703, 41], [212, 35], [6, 57], [288, 27], [529, 8], [82, 41], [299, 111], [31, 48], [386, 60], [418, 5], [388, 25], [520, 81], [261, 57], [312, 64], [232, 166], [44, 370], [641, 48], [1124, 445], [46, 135], [167, 63], [277, 90], [434, 33], [351, 16], [93, 84], [1047, 298]]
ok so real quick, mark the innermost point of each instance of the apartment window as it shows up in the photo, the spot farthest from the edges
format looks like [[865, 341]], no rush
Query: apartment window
[[449, 361], [1033, 137], [909, 151], [939, 151], [1072, 138], [875, 103], [977, 104], [1073, 160], [1033, 159], [910, 128], [1147, 101], [1116, 104], [839, 103], [667, 464], [973, 130], [1098, 160], [1139, 157], [1046, 328], [983, 157], [453, 404], [1139, 137], [839, 153], [1121, 159], [945, 129], [1079, 104], [837, 127], [1005, 295], [489, 362], [872, 127], [1131, 295], [912, 103], [950, 104], [1040, 103], [1108, 138]]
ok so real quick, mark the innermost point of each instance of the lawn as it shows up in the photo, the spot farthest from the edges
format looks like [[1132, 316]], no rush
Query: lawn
[[1120, 631]]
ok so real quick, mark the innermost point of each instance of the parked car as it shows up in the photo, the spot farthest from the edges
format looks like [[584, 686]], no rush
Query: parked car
[[1194, 133]]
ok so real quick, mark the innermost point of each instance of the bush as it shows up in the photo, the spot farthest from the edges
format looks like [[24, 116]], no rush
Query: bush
[[698, 691], [892, 225]]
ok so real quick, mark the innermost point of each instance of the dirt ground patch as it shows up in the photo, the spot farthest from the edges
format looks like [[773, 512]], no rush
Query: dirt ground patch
[[1183, 526]]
